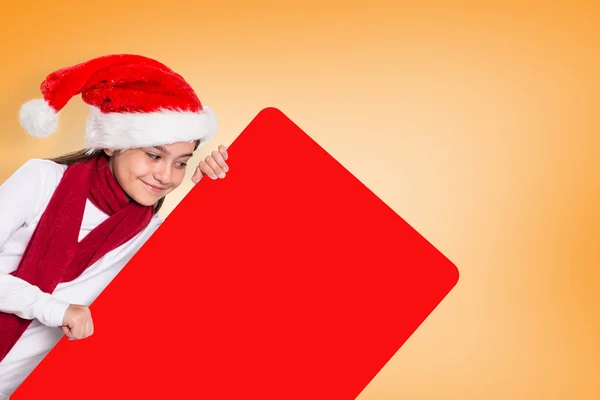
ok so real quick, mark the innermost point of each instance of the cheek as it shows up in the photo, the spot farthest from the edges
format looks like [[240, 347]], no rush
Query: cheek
[[178, 176], [140, 168], [128, 170]]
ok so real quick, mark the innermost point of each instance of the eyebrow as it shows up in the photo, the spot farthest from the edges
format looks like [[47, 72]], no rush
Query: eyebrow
[[161, 148]]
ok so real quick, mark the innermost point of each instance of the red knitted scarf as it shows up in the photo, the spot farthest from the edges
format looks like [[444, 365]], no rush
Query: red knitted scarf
[[54, 254]]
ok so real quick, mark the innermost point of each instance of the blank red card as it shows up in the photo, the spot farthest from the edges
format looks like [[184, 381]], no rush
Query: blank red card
[[289, 279]]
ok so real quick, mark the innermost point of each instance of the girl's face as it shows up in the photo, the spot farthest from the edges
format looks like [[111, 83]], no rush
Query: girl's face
[[149, 174]]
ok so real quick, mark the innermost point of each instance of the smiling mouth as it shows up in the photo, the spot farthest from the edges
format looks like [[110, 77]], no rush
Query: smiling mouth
[[152, 188]]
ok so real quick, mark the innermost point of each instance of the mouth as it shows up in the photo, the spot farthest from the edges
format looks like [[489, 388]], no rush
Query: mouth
[[152, 188]]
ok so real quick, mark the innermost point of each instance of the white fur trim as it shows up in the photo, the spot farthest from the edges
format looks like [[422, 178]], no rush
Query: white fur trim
[[119, 131], [38, 118]]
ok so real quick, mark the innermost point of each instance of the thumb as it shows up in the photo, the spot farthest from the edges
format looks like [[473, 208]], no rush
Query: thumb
[[67, 331], [197, 175]]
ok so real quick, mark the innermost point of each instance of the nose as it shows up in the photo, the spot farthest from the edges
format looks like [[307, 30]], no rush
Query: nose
[[162, 173]]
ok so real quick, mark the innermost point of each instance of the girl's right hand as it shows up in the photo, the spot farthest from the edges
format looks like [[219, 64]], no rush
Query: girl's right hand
[[77, 322]]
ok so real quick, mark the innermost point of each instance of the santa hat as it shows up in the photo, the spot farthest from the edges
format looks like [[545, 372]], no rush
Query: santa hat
[[135, 102]]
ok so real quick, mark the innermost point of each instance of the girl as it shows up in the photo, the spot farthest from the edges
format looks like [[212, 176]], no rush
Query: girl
[[69, 225]]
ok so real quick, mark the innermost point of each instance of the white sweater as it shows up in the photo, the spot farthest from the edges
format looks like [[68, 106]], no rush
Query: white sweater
[[23, 199]]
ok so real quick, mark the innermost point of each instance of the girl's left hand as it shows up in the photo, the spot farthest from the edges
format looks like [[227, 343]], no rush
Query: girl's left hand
[[214, 166]]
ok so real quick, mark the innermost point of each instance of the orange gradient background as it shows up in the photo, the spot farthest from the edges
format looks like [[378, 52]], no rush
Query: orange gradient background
[[477, 124]]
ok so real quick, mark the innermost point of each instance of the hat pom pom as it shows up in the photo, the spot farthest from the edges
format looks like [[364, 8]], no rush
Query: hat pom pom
[[38, 118]]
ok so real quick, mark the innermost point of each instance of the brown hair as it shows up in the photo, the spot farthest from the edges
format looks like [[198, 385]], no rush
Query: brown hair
[[82, 155]]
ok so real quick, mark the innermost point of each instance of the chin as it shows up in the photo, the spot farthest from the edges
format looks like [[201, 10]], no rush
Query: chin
[[149, 202], [146, 200], [141, 195]]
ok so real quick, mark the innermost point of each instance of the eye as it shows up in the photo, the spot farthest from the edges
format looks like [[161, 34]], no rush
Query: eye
[[181, 165], [153, 156]]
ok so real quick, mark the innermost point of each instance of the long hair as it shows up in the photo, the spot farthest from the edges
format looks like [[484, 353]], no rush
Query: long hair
[[82, 155]]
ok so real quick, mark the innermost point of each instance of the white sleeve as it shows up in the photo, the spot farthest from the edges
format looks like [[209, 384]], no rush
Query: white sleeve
[[21, 198]]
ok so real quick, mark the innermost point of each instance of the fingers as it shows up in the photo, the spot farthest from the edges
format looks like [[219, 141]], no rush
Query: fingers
[[215, 165], [79, 331], [78, 323], [89, 328], [206, 169], [212, 168], [220, 160], [223, 151], [215, 168]]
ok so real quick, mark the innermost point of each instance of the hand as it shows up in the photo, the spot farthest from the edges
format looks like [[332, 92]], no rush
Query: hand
[[214, 165], [77, 322]]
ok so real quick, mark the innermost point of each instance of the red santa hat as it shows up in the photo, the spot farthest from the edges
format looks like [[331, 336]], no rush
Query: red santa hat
[[135, 102]]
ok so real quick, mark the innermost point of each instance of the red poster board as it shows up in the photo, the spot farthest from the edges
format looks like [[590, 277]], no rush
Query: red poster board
[[289, 279]]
